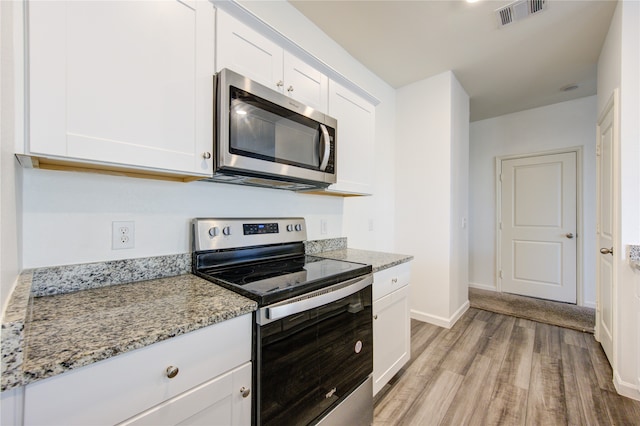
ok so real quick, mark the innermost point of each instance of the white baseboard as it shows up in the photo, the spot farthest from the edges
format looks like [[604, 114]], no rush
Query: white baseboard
[[591, 305], [440, 321], [483, 286], [624, 388]]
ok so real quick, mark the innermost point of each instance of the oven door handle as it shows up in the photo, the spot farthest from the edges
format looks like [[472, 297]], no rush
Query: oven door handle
[[314, 299]]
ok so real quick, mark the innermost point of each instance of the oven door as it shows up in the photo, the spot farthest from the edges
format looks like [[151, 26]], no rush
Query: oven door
[[262, 131], [312, 352]]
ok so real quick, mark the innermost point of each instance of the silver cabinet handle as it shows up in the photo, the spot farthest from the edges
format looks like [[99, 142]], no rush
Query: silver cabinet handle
[[569, 235], [172, 371], [325, 147], [607, 251], [394, 280], [290, 89], [206, 155], [245, 392], [375, 317], [280, 83]]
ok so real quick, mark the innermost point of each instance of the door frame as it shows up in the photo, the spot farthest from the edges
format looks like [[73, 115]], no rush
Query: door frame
[[613, 103], [578, 150]]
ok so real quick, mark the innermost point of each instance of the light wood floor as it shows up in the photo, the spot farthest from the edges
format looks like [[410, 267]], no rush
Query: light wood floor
[[491, 369]]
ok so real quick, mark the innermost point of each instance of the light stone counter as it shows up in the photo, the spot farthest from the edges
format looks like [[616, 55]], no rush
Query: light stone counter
[[66, 317], [634, 255], [46, 336], [377, 260]]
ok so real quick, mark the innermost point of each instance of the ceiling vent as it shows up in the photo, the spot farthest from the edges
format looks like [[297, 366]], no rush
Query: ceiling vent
[[518, 10]]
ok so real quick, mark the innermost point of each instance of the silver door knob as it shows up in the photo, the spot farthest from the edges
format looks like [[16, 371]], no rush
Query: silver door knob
[[245, 392], [206, 155], [569, 235], [290, 89], [172, 371], [607, 251], [280, 83]]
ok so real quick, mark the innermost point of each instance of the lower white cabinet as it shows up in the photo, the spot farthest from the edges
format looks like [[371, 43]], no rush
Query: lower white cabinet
[[391, 323], [212, 366], [224, 401]]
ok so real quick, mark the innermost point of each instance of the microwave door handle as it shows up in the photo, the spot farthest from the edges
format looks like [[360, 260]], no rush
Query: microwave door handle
[[325, 147]]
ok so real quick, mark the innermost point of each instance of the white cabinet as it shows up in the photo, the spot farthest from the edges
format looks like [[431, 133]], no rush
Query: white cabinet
[[122, 84], [225, 400], [249, 53], [391, 323], [355, 141], [213, 366]]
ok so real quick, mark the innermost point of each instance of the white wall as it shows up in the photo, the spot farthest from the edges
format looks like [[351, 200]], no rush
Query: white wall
[[619, 67], [431, 141], [459, 196], [564, 125], [67, 216], [10, 175]]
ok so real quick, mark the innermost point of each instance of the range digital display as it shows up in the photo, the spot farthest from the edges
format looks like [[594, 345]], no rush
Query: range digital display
[[260, 228]]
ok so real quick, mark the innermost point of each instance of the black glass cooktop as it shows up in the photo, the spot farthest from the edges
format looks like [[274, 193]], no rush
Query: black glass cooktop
[[273, 281]]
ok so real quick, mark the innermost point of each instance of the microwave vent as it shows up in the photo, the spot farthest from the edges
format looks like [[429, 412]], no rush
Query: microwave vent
[[519, 10]]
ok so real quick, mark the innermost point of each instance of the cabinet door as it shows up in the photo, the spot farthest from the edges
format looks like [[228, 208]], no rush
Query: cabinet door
[[216, 402], [391, 336], [305, 83], [115, 389], [247, 52], [125, 83], [355, 140]]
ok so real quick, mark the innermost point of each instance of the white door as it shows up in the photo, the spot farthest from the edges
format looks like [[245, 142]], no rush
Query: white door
[[605, 227], [538, 220], [356, 140], [247, 52], [305, 83]]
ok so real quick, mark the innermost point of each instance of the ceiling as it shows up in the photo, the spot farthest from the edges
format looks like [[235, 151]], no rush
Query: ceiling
[[517, 67]]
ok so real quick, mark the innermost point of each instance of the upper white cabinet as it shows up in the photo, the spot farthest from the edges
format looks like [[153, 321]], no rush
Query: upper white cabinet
[[249, 53], [355, 140], [122, 83]]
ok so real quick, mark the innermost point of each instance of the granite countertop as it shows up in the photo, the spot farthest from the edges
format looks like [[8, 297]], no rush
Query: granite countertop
[[67, 331], [378, 260], [66, 317]]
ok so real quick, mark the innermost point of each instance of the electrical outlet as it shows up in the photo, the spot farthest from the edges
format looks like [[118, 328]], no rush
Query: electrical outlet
[[323, 226], [123, 235]]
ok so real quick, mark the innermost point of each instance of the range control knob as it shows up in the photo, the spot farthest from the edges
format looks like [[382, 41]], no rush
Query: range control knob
[[214, 231], [298, 227], [226, 230], [289, 228]]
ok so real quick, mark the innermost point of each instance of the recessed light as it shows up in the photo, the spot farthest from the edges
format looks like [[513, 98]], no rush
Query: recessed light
[[569, 87]]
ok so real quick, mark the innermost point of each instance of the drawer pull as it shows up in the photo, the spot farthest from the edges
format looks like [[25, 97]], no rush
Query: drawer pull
[[375, 317], [172, 371], [394, 280], [245, 392]]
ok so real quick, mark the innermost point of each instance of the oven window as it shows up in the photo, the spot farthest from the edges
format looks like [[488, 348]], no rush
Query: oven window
[[263, 130], [311, 360]]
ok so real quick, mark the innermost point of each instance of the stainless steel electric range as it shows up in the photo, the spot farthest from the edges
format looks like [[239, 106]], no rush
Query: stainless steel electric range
[[313, 337]]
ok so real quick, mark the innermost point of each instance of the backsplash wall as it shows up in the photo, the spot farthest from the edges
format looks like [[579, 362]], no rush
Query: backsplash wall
[[67, 215]]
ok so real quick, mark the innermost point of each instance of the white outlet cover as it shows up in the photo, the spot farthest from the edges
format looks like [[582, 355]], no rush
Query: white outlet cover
[[123, 235]]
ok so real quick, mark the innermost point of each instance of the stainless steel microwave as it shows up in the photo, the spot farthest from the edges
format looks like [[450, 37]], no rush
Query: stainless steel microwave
[[265, 138]]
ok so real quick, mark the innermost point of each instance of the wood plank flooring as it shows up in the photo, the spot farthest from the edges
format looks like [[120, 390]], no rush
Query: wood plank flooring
[[493, 369]]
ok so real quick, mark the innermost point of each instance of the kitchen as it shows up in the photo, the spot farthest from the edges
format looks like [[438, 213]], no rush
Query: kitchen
[[66, 217]]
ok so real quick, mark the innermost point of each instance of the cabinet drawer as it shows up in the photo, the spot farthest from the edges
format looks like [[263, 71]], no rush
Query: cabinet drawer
[[216, 402], [115, 389], [391, 279]]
